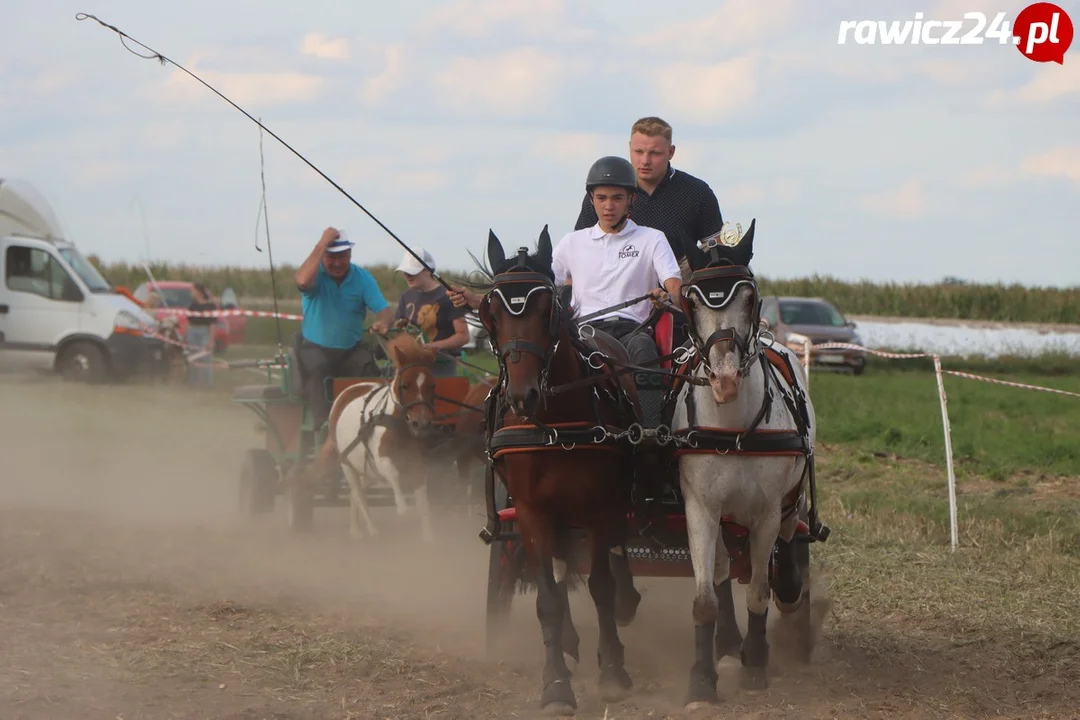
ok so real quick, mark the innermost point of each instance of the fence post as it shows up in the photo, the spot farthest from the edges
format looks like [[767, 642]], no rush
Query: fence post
[[948, 451], [806, 343]]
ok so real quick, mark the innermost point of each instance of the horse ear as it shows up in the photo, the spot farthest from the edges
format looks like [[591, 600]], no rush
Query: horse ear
[[695, 258], [543, 247], [496, 254], [397, 356], [745, 249]]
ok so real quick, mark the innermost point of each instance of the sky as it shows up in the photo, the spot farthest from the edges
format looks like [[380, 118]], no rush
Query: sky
[[904, 163]]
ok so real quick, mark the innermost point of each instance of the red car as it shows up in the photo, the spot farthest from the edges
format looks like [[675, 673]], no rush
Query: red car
[[178, 294]]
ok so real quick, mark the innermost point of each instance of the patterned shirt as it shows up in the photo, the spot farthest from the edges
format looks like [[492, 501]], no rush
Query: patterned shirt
[[682, 207]]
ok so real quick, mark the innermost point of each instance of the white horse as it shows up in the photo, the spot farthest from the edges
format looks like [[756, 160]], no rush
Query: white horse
[[745, 426], [377, 432]]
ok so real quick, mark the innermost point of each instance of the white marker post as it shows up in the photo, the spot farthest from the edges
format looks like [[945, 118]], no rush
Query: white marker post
[[806, 343], [948, 451]]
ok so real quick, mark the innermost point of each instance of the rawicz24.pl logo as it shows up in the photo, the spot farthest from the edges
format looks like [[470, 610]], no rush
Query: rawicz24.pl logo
[[1042, 32]]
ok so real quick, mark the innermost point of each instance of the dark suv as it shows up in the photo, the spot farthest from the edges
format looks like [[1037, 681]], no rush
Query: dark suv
[[818, 320]]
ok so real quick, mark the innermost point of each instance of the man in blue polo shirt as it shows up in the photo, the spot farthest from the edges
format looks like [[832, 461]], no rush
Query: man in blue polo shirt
[[336, 296]]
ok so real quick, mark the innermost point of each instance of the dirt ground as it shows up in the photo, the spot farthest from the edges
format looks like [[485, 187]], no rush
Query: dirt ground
[[129, 589]]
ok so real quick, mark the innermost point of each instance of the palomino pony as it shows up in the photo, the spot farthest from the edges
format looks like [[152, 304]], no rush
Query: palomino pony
[[745, 464], [378, 432], [558, 455]]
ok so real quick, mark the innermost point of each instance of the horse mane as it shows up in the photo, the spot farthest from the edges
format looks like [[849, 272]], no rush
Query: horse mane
[[411, 350]]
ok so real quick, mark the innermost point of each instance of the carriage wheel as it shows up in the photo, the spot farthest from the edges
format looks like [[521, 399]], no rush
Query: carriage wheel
[[299, 505], [800, 622], [258, 482], [506, 563]]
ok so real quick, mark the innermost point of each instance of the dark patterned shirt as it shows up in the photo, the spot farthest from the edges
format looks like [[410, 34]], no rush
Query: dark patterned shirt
[[682, 207]]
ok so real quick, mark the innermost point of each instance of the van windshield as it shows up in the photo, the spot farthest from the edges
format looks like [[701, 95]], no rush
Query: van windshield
[[85, 270]]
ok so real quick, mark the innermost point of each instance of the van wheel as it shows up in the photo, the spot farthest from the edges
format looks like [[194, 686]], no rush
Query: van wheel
[[83, 362]]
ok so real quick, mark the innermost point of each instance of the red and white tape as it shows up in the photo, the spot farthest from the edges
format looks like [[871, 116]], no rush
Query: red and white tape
[[956, 373], [228, 313], [995, 381], [879, 353]]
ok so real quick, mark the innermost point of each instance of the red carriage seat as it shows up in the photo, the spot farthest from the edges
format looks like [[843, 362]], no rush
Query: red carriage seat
[[665, 327]]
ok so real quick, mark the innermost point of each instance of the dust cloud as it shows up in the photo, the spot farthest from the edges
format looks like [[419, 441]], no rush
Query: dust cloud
[[145, 478]]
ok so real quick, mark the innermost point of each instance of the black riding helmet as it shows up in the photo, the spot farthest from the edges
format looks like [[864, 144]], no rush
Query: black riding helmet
[[614, 171]]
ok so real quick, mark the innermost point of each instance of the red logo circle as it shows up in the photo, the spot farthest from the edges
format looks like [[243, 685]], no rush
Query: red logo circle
[[1043, 32]]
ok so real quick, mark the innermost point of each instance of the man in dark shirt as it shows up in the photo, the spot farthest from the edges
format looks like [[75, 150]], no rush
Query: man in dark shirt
[[200, 337], [426, 305], [672, 201]]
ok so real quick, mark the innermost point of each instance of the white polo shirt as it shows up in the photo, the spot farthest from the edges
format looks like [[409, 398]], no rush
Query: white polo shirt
[[607, 269]]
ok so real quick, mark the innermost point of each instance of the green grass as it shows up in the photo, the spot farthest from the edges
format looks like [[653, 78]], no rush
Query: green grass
[[996, 431]]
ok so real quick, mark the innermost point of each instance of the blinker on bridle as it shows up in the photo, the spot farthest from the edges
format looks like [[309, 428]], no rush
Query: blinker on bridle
[[715, 286], [514, 288]]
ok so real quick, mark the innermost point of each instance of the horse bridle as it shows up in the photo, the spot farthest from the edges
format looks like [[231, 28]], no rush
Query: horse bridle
[[395, 391], [715, 287], [514, 288]]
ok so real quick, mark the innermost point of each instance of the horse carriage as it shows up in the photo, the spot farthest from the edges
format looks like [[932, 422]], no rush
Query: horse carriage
[[294, 460], [708, 475]]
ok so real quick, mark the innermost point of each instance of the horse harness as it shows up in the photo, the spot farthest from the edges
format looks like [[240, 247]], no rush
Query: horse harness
[[395, 419], [715, 287]]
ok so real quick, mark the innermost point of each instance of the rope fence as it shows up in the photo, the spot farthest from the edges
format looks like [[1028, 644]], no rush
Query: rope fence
[[808, 348]]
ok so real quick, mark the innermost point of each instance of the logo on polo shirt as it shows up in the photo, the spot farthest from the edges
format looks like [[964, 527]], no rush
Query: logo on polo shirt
[[628, 252]]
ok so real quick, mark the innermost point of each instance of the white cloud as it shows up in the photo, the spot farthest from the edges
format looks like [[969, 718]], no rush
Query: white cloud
[[519, 83], [484, 19], [435, 126], [907, 201], [377, 89], [987, 177], [735, 24], [320, 46], [706, 94], [575, 149], [1063, 162], [1051, 82], [255, 89]]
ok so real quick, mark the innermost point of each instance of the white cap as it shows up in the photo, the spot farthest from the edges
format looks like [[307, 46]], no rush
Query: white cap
[[411, 266]]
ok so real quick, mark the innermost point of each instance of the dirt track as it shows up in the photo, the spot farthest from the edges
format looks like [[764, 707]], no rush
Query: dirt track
[[129, 590]]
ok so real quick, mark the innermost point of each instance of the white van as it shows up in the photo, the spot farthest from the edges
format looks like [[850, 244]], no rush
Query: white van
[[56, 310]]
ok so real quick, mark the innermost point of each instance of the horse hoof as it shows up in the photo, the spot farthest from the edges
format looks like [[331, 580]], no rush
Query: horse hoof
[[702, 694], [728, 663], [615, 684], [700, 706], [754, 679], [789, 608], [558, 709], [558, 698]]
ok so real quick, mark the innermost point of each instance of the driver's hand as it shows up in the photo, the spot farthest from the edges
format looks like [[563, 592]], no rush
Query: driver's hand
[[659, 297], [378, 327], [459, 296]]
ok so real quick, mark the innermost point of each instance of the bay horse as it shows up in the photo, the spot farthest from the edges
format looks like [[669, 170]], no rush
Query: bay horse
[[379, 433], [745, 433], [559, 457]]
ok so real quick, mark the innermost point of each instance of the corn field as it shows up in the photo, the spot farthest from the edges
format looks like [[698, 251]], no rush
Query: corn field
[[948, 299]]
